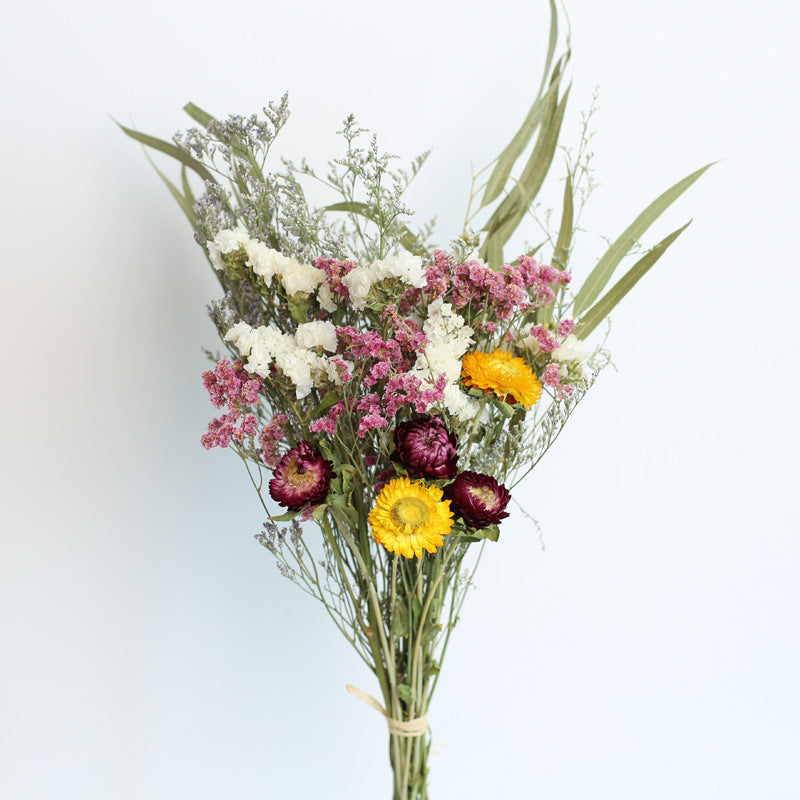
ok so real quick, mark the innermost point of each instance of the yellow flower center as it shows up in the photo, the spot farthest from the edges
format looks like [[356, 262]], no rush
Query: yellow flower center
[[484, 494], [298, 476], [411, 512]]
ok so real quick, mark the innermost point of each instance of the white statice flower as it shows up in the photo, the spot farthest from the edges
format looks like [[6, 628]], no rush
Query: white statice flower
[[406, 267], [296, 364], [241, 336], [227, 241], [449, 338], [530, 344], [358, 283], [571, 349], [297, 277], [318, 333], [459, 404], [443, 325], [325, 298], [266, 345], [264, 261]]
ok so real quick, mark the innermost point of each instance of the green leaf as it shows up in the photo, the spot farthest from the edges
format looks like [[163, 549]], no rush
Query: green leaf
[[328, 401], [515, 148], [404, 692], [198, 115], [297, 310], [169, 149], [506, 409], [605, 267], [561, 252], [400, 627], [186, 205], [506, 218], [187, 189], [598, 312], [289, 515], [491, 532], [319, 512]]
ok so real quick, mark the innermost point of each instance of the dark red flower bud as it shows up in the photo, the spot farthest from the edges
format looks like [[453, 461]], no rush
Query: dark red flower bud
[[478, 499], [427, 448], [301, 478]]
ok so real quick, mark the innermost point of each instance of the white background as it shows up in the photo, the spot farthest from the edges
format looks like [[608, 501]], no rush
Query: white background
[[150, 650]]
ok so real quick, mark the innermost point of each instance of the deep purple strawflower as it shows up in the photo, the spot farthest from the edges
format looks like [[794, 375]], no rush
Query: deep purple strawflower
[[427, 448], [301, 478], [478, 499]]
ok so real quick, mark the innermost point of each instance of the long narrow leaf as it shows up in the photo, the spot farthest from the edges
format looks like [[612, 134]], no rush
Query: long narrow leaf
[[605, 267], [551, 45], [187, 206], [198, 115], [171, 150], [187, 189], [506, 160], [561, 252], [512, 210], [600, 310]]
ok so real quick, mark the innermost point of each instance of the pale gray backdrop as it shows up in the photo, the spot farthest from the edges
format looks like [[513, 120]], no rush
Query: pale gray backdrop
[[150, 649]]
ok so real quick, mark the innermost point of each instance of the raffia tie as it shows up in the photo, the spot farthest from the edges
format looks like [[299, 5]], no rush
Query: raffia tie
[[397, 727]]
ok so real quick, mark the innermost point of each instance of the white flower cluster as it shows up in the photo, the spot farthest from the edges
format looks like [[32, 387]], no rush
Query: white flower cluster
[[405, 267], [449, 338], [268, 263], [571, 349], [295, 355]]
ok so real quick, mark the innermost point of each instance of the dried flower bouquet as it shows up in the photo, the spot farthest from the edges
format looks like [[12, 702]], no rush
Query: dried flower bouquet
[[390, 392]]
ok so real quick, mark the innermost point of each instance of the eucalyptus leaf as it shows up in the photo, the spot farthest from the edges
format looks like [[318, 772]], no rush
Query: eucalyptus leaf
[[598, 312], [186, 205], [561, 252], [514, 207], [605, 267], [198, 115], [169, 149]]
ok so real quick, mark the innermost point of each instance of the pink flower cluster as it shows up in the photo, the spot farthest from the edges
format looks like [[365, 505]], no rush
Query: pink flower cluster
[[232, 386], [541, 278], [500, 292], [546, 340], [551, 376], [269, 437], [376, 410], [335, 270]]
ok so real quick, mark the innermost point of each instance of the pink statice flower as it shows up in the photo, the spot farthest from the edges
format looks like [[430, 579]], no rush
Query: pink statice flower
[[551, 376], [329, 423], [335, 270], [302, 477], [565, 328], [269, 437], [229, 426], [230, 385]]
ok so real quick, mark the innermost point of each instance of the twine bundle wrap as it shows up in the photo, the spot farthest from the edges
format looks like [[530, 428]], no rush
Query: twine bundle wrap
[[408, 728]]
